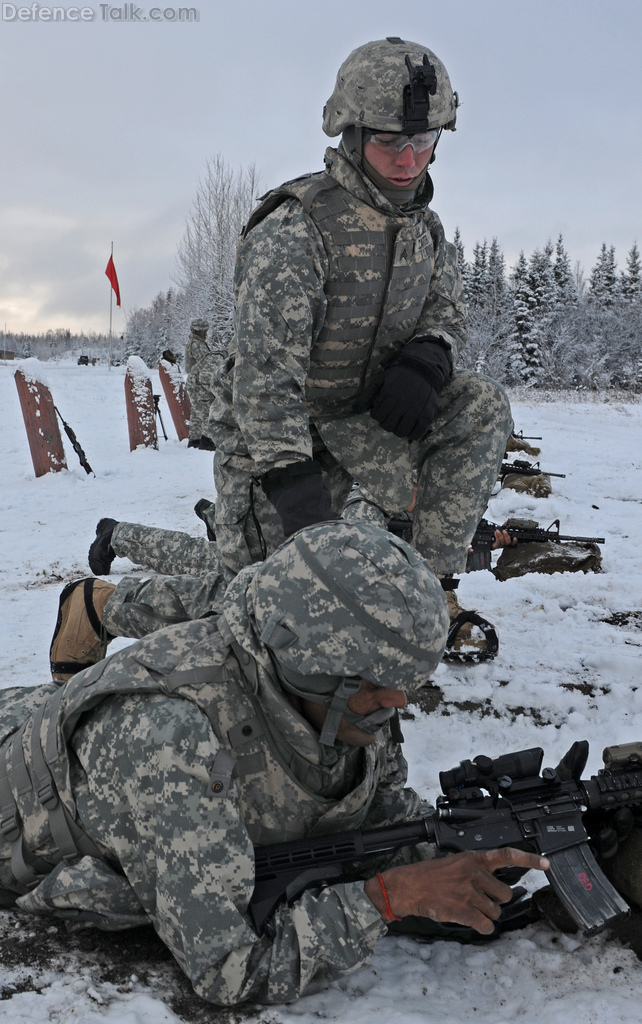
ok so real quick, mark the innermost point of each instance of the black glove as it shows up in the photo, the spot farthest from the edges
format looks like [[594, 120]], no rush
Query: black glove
[[299, 495], [403, 397], [204, 443]]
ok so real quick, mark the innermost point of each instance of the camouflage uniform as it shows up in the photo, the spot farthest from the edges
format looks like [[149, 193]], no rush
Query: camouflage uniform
[[340, 278], [284, 395], [216, 760], [170, 552], [139, 607], [201, 364]]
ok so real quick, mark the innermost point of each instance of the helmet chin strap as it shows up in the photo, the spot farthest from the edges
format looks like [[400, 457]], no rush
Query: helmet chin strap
[[336, 703], [337, 710], [352, 142], [331, 692]]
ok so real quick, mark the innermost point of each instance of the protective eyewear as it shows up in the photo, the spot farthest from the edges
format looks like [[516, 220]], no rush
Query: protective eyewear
[[420, 142]]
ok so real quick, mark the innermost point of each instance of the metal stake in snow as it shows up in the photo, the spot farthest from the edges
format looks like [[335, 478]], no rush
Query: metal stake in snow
[[176, 396], [43, 434], [139, 400]]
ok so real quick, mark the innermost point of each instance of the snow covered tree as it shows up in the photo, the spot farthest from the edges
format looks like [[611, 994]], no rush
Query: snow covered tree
[[520, 350], [603, 282], [631, 278], [207, 251], [489, 309], [461, 260], [205, 268], [496, 279], [565, 286], [478, 275]]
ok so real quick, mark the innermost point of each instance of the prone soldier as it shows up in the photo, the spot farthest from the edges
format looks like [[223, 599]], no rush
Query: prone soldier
[[135, 792]]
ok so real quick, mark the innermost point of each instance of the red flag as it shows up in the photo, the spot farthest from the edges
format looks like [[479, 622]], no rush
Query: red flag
[[113, 278]]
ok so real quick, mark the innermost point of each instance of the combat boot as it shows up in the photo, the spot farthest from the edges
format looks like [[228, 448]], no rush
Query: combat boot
[[101, 554], [205, 510], [80, 639], [464, 643]]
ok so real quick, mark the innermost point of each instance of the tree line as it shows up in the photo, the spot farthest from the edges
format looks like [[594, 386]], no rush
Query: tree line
[[541, 323], [54, 343], [545, 325]]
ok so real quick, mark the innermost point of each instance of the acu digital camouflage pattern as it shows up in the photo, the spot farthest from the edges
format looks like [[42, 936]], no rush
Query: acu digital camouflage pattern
[[139, 607], [201, 363], [170, 552], [350, 600], [369, 89], [260, 418], [180, 856]]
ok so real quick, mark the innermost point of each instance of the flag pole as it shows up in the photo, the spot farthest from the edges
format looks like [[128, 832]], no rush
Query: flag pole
[[111, 300]]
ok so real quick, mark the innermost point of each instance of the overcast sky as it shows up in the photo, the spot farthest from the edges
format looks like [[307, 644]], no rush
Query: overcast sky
[[105, 127]]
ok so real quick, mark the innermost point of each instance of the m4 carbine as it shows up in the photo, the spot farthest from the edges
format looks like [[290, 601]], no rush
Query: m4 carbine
[[480, 556], [524, 468], [548, 814], [484, 538]]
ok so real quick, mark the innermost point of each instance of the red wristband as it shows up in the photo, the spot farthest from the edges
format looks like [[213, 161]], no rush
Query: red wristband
[[385, 896]]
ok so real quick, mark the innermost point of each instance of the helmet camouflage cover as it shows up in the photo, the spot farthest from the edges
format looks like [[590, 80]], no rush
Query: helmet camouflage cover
[[349, 599], [373, 82]]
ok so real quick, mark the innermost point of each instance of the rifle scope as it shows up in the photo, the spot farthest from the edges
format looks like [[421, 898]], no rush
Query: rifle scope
[[523, 764]]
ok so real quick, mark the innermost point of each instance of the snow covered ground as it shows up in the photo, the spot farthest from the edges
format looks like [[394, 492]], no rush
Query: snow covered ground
[[563, 673]]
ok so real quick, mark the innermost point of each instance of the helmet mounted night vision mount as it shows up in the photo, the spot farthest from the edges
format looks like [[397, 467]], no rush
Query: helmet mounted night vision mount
[[416, 95]]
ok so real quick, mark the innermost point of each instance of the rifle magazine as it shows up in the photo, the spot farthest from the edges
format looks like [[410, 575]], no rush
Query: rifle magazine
[[589, 897]]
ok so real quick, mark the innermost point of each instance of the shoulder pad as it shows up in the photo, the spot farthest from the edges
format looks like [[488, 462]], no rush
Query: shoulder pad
[[305, 188]]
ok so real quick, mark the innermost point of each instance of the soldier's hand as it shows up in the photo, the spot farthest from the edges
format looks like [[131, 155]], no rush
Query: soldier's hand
[[458, 889], [503, 539], [403, 397]]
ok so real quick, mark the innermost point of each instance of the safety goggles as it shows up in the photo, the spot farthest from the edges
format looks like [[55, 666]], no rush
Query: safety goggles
[[420, 143]]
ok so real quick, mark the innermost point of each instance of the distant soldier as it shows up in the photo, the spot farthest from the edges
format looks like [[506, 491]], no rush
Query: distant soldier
[[201, 364]]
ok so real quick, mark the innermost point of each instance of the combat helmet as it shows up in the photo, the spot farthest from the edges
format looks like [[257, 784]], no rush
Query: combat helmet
[[343, 601], [391, 85]]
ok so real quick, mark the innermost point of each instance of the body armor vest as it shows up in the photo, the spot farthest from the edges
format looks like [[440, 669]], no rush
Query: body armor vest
[[276, 787], [380, 267]]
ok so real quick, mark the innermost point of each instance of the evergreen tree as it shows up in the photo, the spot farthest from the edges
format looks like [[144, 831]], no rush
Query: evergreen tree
[[461, 261], [631, 278], [478, 276], [523, 321], [603, 282], [497, 287], [489, 311], [565, 286], [541, 277]]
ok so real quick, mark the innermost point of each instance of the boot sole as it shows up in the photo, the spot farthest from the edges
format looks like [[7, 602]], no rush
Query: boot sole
[[70, 668]]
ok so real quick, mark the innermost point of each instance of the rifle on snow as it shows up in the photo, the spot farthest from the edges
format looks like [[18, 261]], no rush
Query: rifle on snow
[[550, 815], [484, 539], [524, 468], [159, 414], [75, 443], [521, 436]]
